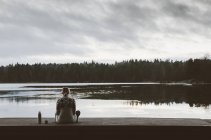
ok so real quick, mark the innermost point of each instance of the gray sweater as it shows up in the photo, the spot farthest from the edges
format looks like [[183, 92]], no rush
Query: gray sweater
[[65, 110]]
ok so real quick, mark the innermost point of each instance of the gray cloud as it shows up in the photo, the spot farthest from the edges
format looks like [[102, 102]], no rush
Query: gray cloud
[[52, 27], [189, 16]]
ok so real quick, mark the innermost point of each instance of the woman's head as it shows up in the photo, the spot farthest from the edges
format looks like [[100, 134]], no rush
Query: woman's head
[[65, 91]]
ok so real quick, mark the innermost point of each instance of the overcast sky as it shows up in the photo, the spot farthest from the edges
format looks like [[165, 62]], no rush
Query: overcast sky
[[64, 31]]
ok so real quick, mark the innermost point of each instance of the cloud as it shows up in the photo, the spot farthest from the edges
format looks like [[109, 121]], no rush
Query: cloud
[[102, 30], [187, 17]]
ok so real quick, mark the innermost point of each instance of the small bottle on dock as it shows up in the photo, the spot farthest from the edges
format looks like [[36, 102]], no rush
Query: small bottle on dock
[[39, 117]]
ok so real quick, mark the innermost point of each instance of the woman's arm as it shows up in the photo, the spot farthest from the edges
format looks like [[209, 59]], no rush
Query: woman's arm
[[58, 108], [74, 107]]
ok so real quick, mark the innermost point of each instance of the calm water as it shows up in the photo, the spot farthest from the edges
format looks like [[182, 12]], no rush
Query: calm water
[[109, 100]]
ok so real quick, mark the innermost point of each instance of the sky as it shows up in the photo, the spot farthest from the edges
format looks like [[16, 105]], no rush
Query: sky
[[69, 31]]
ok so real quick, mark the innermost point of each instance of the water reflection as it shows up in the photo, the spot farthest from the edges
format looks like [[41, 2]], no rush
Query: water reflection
[[194, 96], [157, 100], [25, 99]]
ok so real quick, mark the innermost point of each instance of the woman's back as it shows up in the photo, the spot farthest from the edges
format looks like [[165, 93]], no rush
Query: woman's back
[[65, 110]]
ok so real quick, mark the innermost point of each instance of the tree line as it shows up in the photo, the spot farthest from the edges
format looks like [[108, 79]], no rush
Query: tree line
[[192, 70]]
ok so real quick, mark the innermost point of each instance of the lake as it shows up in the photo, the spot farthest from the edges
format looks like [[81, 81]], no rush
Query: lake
[[155, 100]]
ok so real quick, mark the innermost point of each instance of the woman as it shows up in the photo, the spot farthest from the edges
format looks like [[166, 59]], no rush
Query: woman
[[65, 108]]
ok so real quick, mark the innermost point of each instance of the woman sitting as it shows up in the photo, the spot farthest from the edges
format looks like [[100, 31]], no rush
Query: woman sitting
[[66, 108]]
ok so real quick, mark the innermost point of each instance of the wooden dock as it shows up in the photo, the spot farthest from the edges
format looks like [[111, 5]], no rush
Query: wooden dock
[[108, 122], [106, 128]]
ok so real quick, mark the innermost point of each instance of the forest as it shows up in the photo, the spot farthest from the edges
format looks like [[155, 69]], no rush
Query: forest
[[192, 70]]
